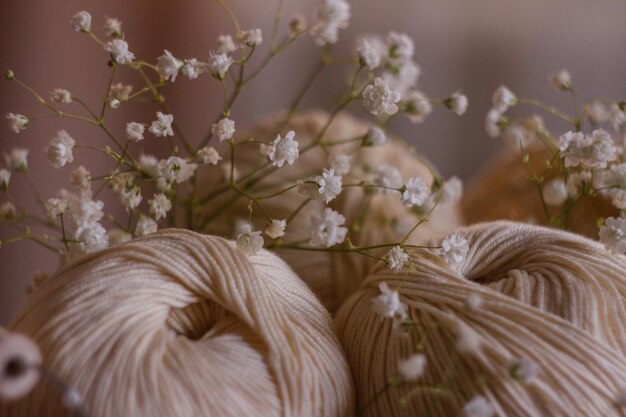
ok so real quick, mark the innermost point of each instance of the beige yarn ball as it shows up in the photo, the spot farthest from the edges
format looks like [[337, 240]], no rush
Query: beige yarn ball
[[376, 220], [181, 324], [553, 298], [503, 191]]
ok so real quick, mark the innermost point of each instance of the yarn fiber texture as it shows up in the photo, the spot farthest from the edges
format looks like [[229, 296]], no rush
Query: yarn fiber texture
[[182, 324], [551, 297], [375, 219], [503, 191]]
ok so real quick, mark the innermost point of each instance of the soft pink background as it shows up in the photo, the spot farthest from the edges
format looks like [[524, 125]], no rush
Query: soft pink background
[[470, 45]]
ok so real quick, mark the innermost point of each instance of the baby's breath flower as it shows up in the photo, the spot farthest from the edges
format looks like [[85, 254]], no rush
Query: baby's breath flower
[[162, 126], [118, 236], [297, 25], [114, 104], [112, 27], [411, 368], [389, 178], [249, 241], [149, 166], [452, 190], [92, 237], [467, 340], [576, 183], [396, 258], [219, 64], [415, 192], [176, 169], [454, 249], [17, 122], [193, 68], [457, 102], [493, 123], [81, 179], [81, 21], [17, 159], [502, 99], [555, 192], [417, 106], [329, 184], [596, 112], [330, 16], [130, 197], [145, 226], [561, 80], [591, 151], [224, 129], [368, 56], [379, 99], [340, 163], [404, 78], [613, 234], [59, 150], [209, 155], [252, 37], [84, 211], [276, 228], [388, 303], [61, 96], [478, 407], [375, 137], [134, 131], [7, 211], [119, 92], [5, 178], [284, 150], [326, 229], [169, 65], [226, 45], [159, 206], [401, 47], [119, 50], [56, 207], [616, 116], [524, 370]]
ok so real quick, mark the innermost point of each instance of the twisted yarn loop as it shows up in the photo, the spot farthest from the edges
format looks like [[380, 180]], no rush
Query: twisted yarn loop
[[182, 324], [549, 297]]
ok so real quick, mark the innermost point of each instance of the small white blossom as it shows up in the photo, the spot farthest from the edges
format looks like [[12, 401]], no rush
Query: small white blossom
[[176, 169], [17, 122], [249, 241], [92, 237], [417, 106], [613, 234], [169, 65], [84, 211], [326, 229], [368, 56], [502, 99], [524, 370], [59, 150], [340, 163], [252, 37], [7, 211], [134, 131], [467, 340], [5, 178], [457, 103], [576, 183], [145, 226], [555, 192], [379, 99], [162, 126], [224, 129], [616, 116], [130, 197], [330, 16], [209, 155], [119, 50], [276, 228], [81, 179], [118, 236], [149, 166], [415, 192], [596, 112], [159, 206], [226, 45], [219, 64], [61, 96], [396, 258], [193, 68], [329, 184], [119, 92], [81, 21], [114, 104], [56, 207], [388, 303], [375, 137], [492, 123], [478, 407], [404, 78], [112, 27], [17, 159], [561, 80], [454, 249], [591, 151], [452, 190], [389, 178], [412, 368], [284, 150], [401, 47]]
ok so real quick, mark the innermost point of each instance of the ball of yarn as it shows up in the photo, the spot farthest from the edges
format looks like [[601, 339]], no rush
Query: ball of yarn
[[182, 324], [524, 295], [504, 191], [375, 219], [19, 359]]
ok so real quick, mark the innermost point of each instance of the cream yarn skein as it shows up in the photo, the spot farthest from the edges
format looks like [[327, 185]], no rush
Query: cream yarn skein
[[383, 218], [181, 324], [551, 297]]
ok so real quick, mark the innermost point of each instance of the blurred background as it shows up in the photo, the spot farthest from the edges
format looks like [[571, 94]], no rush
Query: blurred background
[[473, 46]]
